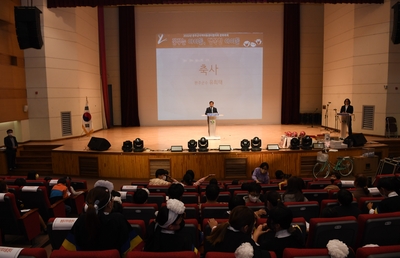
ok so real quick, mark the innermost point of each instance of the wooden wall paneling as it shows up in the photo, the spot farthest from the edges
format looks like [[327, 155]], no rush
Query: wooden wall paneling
[[65, 163]]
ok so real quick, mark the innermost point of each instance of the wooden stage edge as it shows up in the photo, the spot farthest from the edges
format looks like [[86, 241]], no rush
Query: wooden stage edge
[[75, 159]]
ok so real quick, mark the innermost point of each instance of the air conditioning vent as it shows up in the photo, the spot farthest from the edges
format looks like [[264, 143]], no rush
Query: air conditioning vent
[[66, 123], [368, 117]]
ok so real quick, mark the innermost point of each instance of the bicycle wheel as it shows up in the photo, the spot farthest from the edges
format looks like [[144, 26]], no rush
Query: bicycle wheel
[[345, 167], [321, 170]]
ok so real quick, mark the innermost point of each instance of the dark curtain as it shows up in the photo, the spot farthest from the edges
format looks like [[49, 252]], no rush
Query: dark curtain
[[290, 113], [127, 63], [103, 65], [93, 3]]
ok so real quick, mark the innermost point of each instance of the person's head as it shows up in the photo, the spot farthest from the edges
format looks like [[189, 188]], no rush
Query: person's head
[[99, 199], [386, 185], [345, 197], [140, 196], [3, 186], [264, 167], [32, 175], [104, 183], [280, 217], [191, 173], [213, 181], [235, 201], [294, 184], [211, 103], [187, 179], [360, 181], [62, 180], [20, 182], [212, 192], [175, 191], [273, 198], [347, 102], [254, 191], [335, 176], [171, 216], [242, 218], [9, 132], [161, 173], [279, 174], [235, 182]]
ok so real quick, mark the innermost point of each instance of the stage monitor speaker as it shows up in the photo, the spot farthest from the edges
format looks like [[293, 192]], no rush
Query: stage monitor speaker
[[358, 139], [27, 25], [396, 24], [99, 144]]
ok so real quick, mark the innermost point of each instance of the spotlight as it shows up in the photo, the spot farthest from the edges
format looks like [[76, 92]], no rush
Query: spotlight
[[245, 144], [192, 144], [203, 144], [127, 146], [295, 143], [306, 143], [256, 144], [138, 145]]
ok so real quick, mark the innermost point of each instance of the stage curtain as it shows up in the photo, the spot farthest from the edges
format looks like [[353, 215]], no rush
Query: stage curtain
[[103, 65], [93, 3], [127, 63], [290, 112]]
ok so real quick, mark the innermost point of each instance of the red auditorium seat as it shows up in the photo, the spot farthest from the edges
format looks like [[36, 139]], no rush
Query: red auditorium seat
[[214, 210], [182, 254], [391, 251], [307, 210], [143, 212], [229, 255], [13, 223], [306, 252], [85, 254], [24, 253]]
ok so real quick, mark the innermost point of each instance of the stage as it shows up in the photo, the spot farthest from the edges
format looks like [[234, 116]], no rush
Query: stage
[[76, 159]]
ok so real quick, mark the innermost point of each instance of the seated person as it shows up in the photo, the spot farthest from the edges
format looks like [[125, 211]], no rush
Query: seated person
[[345, 208], [272, 199], [228, 236], [162, 178], [334, 176], [141, 196], [254, 192], [260, 174], [212, 193], [175, 191], [361, 185], [390, 188], [164, 234], [294, 191], [235, 201], [278, 233], [116, 195], [198, 182], [100, 229], [59, 192], [32, 175]]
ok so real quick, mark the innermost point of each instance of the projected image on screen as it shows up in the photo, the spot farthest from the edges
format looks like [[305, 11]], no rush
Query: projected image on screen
[[193, 69]]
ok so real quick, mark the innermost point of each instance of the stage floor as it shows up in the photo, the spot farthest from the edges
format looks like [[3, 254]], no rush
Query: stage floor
[[162, 138]]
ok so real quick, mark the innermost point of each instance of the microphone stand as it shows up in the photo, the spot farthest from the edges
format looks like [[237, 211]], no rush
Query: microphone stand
[[312, 117], [326, 115], [336, 120]]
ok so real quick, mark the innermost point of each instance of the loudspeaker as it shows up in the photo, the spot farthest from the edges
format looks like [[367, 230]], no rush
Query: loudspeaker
[[27, 24], [358, 139], [99, 144], [396, 24]]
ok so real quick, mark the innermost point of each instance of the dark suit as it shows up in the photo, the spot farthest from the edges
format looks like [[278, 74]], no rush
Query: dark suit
[[11, 152], [208, 110], [349, 111]]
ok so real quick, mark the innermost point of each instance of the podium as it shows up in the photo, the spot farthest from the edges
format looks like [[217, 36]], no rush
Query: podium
[[212, 126], [344, 121]]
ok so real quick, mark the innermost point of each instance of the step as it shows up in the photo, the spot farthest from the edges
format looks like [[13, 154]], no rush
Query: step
[[44, 153], [40, 147], [34, 165], [24, 171], [33, 159]]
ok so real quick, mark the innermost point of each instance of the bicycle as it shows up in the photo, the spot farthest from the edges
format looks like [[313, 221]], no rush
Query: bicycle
[[344, 165]]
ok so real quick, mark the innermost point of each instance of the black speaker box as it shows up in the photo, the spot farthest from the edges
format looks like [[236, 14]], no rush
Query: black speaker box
[[396, 24], [358, 139], [27, 24], [99, 144]]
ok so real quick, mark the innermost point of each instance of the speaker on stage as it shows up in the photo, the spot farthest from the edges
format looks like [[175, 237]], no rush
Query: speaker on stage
[[358, 139], [27, 24], [99, 144], [396, 23]]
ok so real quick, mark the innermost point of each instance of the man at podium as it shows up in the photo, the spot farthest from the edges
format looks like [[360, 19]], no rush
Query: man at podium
[[347, 108], [211, 108]]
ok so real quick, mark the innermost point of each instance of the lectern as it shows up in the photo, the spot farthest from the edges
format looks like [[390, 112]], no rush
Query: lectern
[[212, 126], [344, 120]]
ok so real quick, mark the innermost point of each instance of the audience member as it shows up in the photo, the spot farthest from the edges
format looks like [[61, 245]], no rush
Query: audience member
[[234, 202], [59, 192], [389, 187], [361, 185], [294, 191], [175, 191], [117, 207], [278, 233], [32, 175], [162, 178], [334, 176], [201, 180], [279, 174], [212, 193], [165, 233], [141, 196], [272, 199], [260, 174], [187, 180], [228, 236], [100, 229], [213, 181], [345, 208], [254, 192]]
